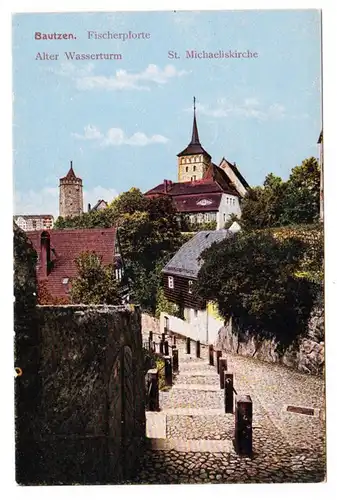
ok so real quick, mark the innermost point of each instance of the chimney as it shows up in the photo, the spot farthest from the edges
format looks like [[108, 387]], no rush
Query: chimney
[[167, 185], [89, 207], [45, 254]]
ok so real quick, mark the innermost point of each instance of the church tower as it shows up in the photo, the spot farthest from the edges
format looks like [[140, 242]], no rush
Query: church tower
[[71, 194], [193, 161]]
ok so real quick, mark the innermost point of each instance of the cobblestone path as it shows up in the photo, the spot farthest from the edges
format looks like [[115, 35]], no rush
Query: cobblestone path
[[198, 434]]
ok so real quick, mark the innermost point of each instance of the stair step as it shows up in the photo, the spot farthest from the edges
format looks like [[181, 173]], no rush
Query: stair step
[[193, 445], [196, 387]]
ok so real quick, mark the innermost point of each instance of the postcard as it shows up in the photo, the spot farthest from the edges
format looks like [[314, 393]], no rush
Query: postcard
[[168, 247]]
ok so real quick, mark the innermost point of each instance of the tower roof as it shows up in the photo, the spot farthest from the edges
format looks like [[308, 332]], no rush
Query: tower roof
[[194, 146], [71, 176]]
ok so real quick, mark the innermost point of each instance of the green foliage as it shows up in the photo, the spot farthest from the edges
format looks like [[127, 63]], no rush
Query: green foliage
[[252, 277], [25, 283], [279, 203], [186, 225], [95, 283], [164, 305]]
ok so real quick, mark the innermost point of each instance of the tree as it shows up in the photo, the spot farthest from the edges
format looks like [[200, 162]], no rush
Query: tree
[[262, 206], [279, 203], [302, 198], [95, 283], [251, 276]]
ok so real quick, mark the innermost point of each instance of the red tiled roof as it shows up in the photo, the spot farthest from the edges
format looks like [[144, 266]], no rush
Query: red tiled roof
[[197, 203], [65, 246], [181, 188], [34, 216], [71, 176]]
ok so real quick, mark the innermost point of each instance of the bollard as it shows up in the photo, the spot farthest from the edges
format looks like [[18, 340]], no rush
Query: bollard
[[153, 346], [229, 391], [153, 394], [168, 370], [244, 425], [211, 354], [161, 347], [166, 348], [163, 337], [174, 340], [150, 336], [218, 356], [197, 348], [188, 345], [222, 369], [175, 360]]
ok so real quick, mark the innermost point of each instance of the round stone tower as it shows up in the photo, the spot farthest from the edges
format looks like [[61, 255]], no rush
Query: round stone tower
[[71, 194]]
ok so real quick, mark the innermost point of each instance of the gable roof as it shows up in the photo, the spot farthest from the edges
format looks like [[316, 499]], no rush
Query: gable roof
[[200, 187], [236, 172], [49, 216], [186, 262], [197, 203], [66, 245], [99, 202]]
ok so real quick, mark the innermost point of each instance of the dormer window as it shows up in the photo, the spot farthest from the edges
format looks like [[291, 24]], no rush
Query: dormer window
[[65, 281], [190, 285], [170, 282]]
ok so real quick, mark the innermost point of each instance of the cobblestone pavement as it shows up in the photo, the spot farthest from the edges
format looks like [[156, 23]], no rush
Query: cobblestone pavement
[[287, 447]]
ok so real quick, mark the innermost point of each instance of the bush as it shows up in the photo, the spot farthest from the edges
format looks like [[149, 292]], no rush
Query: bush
[[252, 277]]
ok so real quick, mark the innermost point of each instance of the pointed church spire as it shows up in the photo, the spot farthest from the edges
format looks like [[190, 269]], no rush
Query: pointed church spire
[[194, 146], [195, 134]]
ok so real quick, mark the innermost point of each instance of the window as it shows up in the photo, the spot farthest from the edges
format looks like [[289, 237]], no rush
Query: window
[[195, 313], [190, 285], [170, 282], [65, 281], [194, 168], [186, 169], [193, 178]]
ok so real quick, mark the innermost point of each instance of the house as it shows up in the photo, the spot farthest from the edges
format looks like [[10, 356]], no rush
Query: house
[[100, 205], [204, 192], [57, 250], [34, 222], [180, 275]]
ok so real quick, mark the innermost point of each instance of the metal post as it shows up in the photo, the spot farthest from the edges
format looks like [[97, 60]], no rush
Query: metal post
[[161, 347], [244, 425], [198, 349], [166, 348], [229, 391], [163, 337], [222, 369], [153, 395], [174, 340], [150, 340], [168, 370], [211, 354], [154, 346], [175, 360], [188, 345], [218, 356]]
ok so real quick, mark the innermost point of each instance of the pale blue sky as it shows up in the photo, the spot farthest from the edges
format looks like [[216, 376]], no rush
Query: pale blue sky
[[263, 113]]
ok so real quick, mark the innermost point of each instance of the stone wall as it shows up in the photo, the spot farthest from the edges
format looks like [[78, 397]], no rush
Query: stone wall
[[149, 323], [89, 421], [306, 356]]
